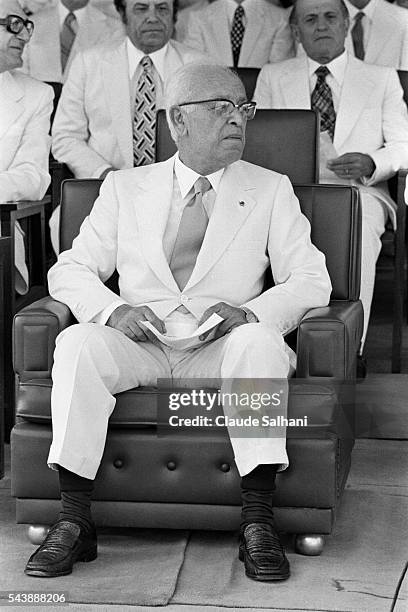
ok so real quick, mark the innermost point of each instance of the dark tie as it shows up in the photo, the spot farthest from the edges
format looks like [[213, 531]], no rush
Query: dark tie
[[68, 32], [357, 34], [322, 101], [144, 118], [190, 235], [237, 33]]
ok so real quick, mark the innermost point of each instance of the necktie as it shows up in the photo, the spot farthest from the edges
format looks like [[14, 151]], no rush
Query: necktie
[[144, 118], [190, 235], [322, 101], [357, 34], [237, 33], [68, 32]]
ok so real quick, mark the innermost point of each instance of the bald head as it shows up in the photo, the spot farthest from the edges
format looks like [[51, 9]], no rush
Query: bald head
[[11, 44], [321, 27], [207, 139]]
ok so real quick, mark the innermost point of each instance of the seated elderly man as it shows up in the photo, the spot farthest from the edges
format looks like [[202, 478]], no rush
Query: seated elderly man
[[189, 237], [25, 109], [364, 122], [107, 111]]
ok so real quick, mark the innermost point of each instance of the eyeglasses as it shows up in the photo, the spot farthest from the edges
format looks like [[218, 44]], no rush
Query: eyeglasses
[[15, 24], [224, 108]]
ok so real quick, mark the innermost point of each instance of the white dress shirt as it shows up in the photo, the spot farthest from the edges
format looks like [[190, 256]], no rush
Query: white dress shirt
[[135, 56], [334, 79], [366, 21]]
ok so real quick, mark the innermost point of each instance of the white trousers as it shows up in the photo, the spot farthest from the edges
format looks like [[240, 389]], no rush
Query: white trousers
[[374, 217], [94, 362]]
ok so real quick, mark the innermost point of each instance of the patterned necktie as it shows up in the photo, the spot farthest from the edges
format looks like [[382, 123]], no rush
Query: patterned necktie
[[237, 33], [68, 32], [322, 101], [190, 235], [144, 118], [357, 34]]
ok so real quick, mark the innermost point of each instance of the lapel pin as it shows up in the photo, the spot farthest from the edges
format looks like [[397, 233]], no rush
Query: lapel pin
[[241, 203]]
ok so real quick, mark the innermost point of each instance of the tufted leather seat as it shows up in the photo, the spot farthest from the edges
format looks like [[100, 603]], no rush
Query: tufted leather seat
[[153, 477]]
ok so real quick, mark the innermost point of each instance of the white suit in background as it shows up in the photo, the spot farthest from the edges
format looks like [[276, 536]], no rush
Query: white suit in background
[[385, 29], [25, 109], [371, 118], [256, 221], [267, 36], [98, 23]]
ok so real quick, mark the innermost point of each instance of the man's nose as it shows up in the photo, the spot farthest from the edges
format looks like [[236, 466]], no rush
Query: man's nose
[[151, 14], [321, 23], [236, 117], [23, 35]]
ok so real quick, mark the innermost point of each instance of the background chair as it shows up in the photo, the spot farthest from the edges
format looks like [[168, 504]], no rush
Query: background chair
[[286, 141], [248, 76], [189, 480], [5, 325]]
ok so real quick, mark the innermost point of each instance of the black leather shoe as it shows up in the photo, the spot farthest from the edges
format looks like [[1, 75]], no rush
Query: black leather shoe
[[262, 552], [65, 544], [361, 368]]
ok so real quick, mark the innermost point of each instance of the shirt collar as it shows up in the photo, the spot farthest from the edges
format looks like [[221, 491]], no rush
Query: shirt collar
[[337, 67], [135, 55], [367, 10], [186, 177]]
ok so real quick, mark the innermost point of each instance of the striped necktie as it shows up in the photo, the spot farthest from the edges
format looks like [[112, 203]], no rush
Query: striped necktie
[[237, 33], [357, 35], [190, 235], [68, 32], [144, 118], [322, 101]]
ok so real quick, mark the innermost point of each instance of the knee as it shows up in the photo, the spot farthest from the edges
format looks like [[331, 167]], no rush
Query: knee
[[79, 338], [256, 335]]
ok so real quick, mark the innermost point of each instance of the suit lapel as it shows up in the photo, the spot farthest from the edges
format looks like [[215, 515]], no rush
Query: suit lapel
[[116, 84], [233, 204], [355, 91], [294, 85], [252, 31], [152, 210], [11, 102], [219, 34]]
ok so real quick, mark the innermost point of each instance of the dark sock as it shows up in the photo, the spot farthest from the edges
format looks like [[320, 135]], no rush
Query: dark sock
[[257, 489], [76, 493]]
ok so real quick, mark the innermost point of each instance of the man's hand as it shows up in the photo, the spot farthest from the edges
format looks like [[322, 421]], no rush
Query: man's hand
[[233, 317], [126, 319], [105, 173], [352, 166]]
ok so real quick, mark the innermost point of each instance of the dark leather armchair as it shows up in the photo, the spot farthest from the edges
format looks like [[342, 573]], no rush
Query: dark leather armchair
[[189, 480]]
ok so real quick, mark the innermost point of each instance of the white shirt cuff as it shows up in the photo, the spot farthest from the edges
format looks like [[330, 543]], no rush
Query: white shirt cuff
[[104, 315]]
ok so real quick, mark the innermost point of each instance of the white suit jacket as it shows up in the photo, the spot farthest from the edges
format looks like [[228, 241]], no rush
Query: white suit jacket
[[42, 56], [25, 109], [371, 118], [125, 231], [267, 37], [93, 124], [388, 41]]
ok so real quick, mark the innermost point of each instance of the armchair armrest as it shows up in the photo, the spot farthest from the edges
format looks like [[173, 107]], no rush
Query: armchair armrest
[[328, 341], [35, 329]]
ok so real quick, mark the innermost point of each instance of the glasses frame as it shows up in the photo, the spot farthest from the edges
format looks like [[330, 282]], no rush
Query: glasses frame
[[237, 106], [25, 23]]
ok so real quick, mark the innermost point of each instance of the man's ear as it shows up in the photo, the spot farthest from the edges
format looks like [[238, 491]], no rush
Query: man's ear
[[178, 121], [295, 32]]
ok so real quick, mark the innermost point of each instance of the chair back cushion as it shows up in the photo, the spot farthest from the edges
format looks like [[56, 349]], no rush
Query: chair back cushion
[[249, 77], [286, 141], [335, 218], [333, 212]]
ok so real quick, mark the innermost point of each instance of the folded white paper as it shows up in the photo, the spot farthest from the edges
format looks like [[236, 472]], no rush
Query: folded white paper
[[190, 341]]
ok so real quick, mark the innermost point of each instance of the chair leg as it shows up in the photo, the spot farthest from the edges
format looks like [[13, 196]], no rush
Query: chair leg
[[309, 544], [37, 533]]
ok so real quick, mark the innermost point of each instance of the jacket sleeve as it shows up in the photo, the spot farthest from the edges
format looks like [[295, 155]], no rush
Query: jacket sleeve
[[263, 90], [393, 156], [27, 177], [283, 45], [298, 267], [195, 38], [70, 133]]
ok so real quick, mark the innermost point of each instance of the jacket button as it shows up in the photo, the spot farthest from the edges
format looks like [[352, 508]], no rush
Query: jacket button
[[118, 463], [225, 467], [171, 465]]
